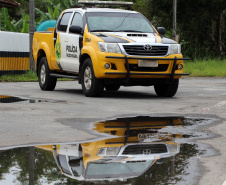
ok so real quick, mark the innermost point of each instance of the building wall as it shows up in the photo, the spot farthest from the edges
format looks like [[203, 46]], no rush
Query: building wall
[[14, 52]]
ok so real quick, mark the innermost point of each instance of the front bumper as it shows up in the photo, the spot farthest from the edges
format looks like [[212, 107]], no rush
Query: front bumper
[[129, 73]]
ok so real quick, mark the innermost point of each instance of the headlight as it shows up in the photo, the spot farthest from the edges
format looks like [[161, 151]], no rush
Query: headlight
[[175, 49], [174, 148], [110, 151], [109, 47]]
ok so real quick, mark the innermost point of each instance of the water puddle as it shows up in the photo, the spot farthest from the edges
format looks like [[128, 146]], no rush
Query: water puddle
[[137, 150], [15, 99]]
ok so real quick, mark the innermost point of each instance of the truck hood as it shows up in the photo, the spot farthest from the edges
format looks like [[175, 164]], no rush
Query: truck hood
[[138, 37], [126, 37]]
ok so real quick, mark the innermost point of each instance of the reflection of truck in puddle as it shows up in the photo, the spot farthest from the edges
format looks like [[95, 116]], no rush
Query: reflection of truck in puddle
[[136, 148]]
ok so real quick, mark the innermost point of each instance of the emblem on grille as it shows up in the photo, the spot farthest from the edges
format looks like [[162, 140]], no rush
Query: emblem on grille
[[146, 151], [147, 47]]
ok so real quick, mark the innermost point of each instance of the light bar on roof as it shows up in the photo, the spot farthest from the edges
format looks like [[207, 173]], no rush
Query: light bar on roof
[[120, 3]]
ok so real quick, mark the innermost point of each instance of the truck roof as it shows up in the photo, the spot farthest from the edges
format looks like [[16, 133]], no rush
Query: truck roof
[[83, 10]]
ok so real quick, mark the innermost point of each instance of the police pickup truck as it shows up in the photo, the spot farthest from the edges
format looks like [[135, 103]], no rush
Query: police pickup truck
[[136, 145], [105, 49]]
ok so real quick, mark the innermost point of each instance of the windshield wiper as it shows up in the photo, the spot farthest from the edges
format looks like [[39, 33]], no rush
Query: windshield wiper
[[129, 31]]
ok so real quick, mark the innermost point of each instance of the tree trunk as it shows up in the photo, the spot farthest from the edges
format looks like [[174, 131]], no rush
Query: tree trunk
[[222, 30]]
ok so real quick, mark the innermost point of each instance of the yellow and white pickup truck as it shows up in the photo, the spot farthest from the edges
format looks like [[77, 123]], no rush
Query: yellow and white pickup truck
[[136, 145], [107, 48]]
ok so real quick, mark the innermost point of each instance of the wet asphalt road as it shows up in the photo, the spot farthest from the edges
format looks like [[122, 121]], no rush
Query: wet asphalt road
[[65, 115]]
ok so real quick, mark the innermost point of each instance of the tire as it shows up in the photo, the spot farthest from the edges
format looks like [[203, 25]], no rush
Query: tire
[[112, 87], [91, 86], [167, 90], [46, 82]]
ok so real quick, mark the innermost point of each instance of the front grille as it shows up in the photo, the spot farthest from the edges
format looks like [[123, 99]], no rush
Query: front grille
[[140, 149], [160, 68], [139, 50]]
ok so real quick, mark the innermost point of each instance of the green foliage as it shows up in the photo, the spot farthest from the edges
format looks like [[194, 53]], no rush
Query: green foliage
[[64, 4], [5, 21], [44, 16], [50, 10], [11, 26], [25, 28], [51, 15], [4, 16], [51, 3], [55, 14], [22, 25], [11, 20]]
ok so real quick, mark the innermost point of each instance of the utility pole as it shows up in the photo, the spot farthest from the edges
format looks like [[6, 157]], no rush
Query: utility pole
[[31, 165], [172, 167], [174, 19], [31, 32]]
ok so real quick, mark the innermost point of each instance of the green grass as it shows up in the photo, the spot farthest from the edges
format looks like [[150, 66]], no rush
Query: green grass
[[27, 77], [206, 68]]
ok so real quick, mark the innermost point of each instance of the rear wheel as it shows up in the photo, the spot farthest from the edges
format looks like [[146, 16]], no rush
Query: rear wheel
[[112, 87], [91, 86], [46, 82], [167, 90]]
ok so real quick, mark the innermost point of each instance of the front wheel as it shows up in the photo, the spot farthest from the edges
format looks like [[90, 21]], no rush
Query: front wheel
[[167, 90], [91, 86], [46, 82]]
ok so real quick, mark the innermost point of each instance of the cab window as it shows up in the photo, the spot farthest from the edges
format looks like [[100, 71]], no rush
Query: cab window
[[64, 22], [77, 20]]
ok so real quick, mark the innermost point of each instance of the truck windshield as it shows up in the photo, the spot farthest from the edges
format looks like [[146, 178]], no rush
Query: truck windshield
[[116, 170], [118, 22]]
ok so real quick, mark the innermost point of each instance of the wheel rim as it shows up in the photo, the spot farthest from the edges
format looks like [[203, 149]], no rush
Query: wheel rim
[[87, 78], [43, 74]]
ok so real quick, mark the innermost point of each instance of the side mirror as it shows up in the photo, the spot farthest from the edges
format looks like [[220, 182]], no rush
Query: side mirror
[[160, 161], [75, 29], [161, 30]]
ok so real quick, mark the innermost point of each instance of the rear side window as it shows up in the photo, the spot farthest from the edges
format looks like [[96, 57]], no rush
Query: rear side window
[[64, 22]]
